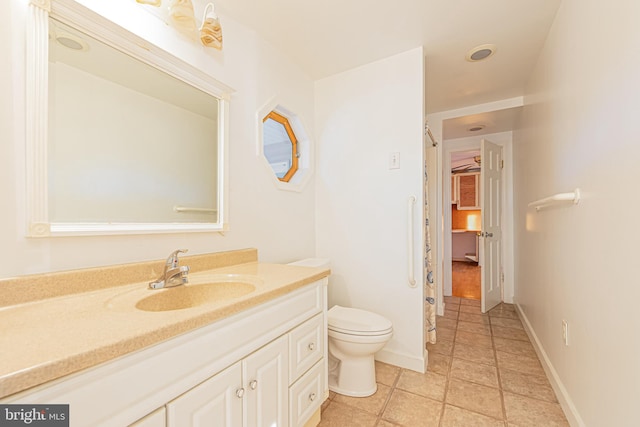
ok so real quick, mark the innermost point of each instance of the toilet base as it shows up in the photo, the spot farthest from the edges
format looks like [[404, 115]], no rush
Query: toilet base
[[354, 377]]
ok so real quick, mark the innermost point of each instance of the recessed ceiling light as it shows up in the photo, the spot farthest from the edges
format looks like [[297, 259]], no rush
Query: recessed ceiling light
[[476, 128], [481, 52], [71, 41]]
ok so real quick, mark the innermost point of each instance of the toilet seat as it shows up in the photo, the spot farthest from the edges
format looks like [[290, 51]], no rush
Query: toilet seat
[[353, 321]]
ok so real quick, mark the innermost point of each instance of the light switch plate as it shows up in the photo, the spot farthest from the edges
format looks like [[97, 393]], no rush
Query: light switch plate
[[394, 160]]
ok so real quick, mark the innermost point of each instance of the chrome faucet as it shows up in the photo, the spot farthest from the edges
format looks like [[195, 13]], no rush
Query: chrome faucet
[[173, 274]]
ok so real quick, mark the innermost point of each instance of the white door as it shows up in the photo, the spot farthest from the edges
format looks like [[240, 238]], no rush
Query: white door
[[215, 402], [266, 377], [491, 235]]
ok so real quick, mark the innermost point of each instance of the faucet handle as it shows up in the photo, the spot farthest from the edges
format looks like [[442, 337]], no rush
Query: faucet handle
[[172, 260]]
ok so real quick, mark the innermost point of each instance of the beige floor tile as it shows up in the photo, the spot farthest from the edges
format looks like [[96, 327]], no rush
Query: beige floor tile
[[438, 363], [475, 397], [458, 417], [474, 353], [444, 322], [372, 404], [445, 334], [429, 385], [340, 415], [509, 333], [534, 386], [474, 372], [409, 409], [477, 328], [522, 364], [504, 313], [506, 323], [470, 309], [441, 347], [386, 374], [471, 302], [523, 348], [450, 314], [506, 307], [473, 339], [383, 423], [526, 412], [474, 318], [452, 300]]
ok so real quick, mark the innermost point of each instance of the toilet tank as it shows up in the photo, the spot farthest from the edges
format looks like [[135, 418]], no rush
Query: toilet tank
[[313, 262]]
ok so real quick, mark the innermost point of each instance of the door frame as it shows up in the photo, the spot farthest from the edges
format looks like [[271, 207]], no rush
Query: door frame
[[443, 229]]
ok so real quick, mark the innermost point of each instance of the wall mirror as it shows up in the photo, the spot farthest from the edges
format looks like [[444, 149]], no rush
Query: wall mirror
[[135, 139]]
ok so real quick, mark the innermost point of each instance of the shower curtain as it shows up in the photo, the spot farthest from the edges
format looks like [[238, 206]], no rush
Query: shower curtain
[[429, 286]]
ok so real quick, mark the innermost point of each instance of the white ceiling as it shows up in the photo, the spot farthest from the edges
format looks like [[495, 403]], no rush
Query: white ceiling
[[491, 122], [331, 36]]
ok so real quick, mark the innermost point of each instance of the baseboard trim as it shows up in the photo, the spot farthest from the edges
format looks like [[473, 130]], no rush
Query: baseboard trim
[[562, 394], [418, 364]]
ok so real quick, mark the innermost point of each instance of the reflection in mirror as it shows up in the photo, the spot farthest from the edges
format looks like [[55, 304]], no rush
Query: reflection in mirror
[[127, 142], [135, 138], [280, 146]]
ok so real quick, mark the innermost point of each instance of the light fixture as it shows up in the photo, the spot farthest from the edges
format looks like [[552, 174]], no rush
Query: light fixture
[[481, 52], [211, 30], [476, 128]]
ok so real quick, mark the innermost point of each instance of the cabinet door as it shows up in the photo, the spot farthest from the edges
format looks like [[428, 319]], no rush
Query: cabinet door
[[215, 402], [468, 191], [266, 380]]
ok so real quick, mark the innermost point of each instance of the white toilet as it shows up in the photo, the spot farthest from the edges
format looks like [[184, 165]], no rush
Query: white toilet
[[354, 337]]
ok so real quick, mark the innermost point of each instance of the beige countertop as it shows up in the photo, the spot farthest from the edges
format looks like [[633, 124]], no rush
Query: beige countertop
[[45, 339]]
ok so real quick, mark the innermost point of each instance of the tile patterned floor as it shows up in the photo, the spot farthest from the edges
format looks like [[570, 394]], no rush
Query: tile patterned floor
[[482, 372]]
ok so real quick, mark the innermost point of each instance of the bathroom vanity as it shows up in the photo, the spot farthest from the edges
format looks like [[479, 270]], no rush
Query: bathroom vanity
[[249, 359]]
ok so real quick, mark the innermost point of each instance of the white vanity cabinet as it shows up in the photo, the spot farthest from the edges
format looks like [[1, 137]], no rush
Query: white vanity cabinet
[[155, 419], [216, 402], [264, 366], [252, 392]]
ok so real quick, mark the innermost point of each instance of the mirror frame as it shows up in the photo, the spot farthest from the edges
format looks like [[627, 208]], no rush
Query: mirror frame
[[37, 68], [295, 154], [304, 147]]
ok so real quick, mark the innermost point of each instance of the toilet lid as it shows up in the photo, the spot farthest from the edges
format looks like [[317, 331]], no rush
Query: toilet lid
[[354, 320]]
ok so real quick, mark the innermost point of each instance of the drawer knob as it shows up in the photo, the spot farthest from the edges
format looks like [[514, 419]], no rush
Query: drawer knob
[[312, 346], [312, 397], [253, 384], [240, 392]]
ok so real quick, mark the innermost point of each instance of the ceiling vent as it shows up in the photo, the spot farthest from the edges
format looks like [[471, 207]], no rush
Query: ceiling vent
[[480, 53]]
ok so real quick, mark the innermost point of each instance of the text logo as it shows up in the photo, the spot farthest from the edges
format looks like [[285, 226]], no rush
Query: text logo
[[34, 415]]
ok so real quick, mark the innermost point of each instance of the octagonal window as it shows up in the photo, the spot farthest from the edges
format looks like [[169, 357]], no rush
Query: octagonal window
[[280, 146]]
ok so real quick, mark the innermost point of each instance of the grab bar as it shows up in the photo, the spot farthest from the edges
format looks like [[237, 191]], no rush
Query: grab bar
[[412, 201], [184, 209], [557, 198]]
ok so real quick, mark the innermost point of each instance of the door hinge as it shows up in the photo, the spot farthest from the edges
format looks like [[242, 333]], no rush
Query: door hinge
[[501, 164]]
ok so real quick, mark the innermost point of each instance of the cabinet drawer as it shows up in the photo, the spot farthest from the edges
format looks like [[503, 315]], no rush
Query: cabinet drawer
[[306, 346], [306, 395]]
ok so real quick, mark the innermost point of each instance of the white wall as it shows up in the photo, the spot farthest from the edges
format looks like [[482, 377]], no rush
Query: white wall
[[362, 116], [579, 263], [279, 223]]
